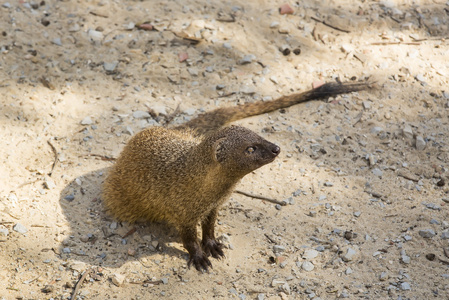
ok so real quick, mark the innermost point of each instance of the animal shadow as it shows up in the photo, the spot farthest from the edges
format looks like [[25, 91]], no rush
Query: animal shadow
[[96, 238]]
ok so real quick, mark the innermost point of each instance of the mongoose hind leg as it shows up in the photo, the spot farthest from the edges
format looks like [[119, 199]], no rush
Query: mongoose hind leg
[[210, 245], [196, 255]]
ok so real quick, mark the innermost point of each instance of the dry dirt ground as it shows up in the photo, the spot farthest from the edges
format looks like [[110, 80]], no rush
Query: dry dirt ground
[[364, 175]]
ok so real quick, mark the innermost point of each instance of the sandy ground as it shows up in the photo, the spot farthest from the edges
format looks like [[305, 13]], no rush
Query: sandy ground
[[364, 174]]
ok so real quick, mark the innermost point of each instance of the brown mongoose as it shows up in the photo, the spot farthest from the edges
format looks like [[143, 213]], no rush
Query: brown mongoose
[[183, 175]]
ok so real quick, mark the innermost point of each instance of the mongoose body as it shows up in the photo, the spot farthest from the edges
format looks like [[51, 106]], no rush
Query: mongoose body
[[183, 175], [174, 176]]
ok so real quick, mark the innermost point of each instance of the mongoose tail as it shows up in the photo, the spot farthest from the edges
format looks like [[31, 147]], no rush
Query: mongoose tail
[[219, 117]]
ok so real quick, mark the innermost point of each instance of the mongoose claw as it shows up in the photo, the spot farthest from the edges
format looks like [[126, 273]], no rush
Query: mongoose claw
[[213, 248], [200, 262]]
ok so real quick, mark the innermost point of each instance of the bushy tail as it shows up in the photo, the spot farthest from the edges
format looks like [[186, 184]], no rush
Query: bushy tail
[[217, 118]]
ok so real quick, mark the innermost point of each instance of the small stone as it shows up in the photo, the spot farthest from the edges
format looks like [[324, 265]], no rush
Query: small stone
[[274, 24], [193, 71], [278, 206], [407, 238], [131, 252], [70, 197], [377, 172], [286, 9], [227, 45], [328, 183], [357, 214], [49, 184], [383, 276], [420, 143], [366, 105], [20, 228], [78, 266], [6, 5], [261, 297], [4, 232], [286, 288], [139, 114], [164, 280], [117, 279], [284, 30], [247, 59], [277, 282], [310, 254], [128, 130], [57, 41], [427, 233], [307, 266], [349, 255], [445, 235], [322, 197], [405, 286], [376, 130], [110, 66], [349, 271], [87, 121], [420, 78], [405, 259], [407, 131], [278, 249], [95, 36], [66, 250], [113, 225]]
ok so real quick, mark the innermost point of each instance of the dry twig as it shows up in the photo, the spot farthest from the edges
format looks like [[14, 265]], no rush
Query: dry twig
[[55, 152], [261, 197]]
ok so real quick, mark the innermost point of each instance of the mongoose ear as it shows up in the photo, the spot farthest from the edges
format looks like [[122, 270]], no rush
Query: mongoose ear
[[218, 150]]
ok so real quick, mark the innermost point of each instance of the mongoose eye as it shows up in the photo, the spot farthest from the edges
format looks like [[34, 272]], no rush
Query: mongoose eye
[[250, 149]]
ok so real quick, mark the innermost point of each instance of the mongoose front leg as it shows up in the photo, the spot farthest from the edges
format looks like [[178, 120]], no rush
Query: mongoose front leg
[[210, 245], [196, 255]]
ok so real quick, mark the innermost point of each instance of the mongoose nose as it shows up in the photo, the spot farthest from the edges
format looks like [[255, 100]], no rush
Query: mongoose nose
[[276, 150]]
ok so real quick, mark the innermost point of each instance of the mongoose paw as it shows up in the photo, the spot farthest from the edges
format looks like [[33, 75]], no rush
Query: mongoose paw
[[213, 248], [200, 262]]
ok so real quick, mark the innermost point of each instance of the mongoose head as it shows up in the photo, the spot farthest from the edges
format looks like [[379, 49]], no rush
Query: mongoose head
[[241, 151]]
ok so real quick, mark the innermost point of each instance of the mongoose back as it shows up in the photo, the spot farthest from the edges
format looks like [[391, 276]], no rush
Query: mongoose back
[[183, 175]]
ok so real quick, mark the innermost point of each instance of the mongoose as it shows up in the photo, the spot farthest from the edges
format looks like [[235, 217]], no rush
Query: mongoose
[[183, 175]]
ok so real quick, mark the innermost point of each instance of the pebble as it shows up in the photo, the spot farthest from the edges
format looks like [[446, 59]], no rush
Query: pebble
[[94, 35], [357, 214], [140, 114], [420, 78], [427, 233], [87, 121], [128, 130], [49, 184], [407, 131], [6, 5], [261, 297], [113, 225], [110, 66], [420, 143], [66, 250], [349, 255], [383, 276], [377, 172], [405, 286], [286, 9], [274, 24], [366, 105], [4, 232], [70, 197], [57, 41], [349, 271], [277, 282], [78, 266], [310, 254], [247, 59], [164, 280], [193, 71], [117, 279], [328, 183], [445, 235], [307, 266], [227, 45], [278, 249], [20, 228]]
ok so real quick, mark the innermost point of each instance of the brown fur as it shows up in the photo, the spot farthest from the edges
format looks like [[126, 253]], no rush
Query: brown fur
[[183, 175]]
